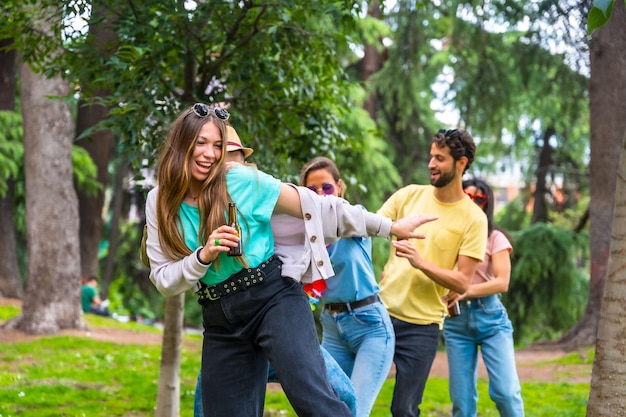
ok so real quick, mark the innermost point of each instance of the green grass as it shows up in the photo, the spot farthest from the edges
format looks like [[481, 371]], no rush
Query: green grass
[[78, 376], [540, 400]]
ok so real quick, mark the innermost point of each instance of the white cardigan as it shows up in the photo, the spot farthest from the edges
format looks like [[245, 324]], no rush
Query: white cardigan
[[299, 243]]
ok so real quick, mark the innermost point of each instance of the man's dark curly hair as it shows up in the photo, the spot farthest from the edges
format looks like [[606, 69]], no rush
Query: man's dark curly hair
[[460, 142]]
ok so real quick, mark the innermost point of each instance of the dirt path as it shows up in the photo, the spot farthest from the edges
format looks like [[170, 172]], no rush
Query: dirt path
[[532, 364]]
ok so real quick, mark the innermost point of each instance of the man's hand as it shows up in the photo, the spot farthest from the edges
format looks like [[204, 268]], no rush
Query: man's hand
[[406, 249], [405, 227]]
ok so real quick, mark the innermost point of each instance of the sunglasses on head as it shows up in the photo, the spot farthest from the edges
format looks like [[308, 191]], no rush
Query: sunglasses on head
[[478, 199], [448, 133], [202, 110], [452, 132], [327, 188]]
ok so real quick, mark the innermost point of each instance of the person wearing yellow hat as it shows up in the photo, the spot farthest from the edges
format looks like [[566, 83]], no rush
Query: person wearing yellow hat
[[233, 143]]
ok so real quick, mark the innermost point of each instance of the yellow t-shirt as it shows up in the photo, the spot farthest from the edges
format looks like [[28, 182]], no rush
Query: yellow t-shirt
[[461, 229]]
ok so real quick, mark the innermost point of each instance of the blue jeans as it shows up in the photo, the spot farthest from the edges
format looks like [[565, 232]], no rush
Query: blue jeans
[[416, 348], [242, 331], [337, 377], [362, 342], [483, 322]]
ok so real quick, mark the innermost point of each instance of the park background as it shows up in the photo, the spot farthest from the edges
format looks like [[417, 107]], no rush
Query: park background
[[86, 106]]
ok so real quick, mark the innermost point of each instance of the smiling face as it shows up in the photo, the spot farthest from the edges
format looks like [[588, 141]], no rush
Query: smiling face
[[443, 168], [206, 152], [319, 177]]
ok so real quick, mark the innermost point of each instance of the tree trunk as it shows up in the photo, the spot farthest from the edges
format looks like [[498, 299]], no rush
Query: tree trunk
[[52, 299], [371, 62], [7, 75], [540, 209], [608, 378], [168, 397], [99, 144], [114, 231], [10, 278], [607, 89]]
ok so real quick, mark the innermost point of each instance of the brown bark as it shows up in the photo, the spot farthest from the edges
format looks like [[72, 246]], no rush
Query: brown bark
[[607, 89], [168, 397], [7, 76], [608, 378], [10, 280], [52, 299], [99, 144], [540, 209]]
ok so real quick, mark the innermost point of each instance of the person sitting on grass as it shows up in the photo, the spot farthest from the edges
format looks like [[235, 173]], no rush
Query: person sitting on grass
[[90, 299]]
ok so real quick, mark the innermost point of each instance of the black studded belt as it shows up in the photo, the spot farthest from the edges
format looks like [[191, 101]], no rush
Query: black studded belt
[[345, 307], [242, 280]]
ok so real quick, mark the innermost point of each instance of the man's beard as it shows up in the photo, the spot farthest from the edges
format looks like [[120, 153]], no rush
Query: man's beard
[[444, 179]]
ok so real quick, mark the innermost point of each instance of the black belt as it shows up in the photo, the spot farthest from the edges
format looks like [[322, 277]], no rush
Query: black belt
[[240, 281], [345, 307]]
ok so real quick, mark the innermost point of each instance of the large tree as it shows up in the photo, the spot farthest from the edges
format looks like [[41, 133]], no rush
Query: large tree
[[608, 378], [52, 299], [607, 89], [606, 396]]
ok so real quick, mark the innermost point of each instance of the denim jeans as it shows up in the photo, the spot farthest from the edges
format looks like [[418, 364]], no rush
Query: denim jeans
[[483, 322], [270, 321], [416, 348], [362, 342], [337, 377]]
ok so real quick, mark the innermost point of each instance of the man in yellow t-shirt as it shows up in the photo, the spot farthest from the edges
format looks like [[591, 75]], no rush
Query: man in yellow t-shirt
[[419, 272]]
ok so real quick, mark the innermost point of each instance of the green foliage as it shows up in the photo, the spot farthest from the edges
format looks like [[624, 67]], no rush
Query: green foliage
[[365, 163], [131, 291], [599, 14], [12, 166], [514, 215], [548, 290], [275, 63], [85, 171], [371, 30], [11, 149], [570, 217], [509, 100], [403, 88]]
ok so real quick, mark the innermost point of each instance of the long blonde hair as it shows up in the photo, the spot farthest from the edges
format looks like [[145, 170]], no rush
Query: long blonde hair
[[174, 176]]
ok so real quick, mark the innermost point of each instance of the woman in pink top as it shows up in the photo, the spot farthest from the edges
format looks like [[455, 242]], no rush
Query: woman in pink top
[[483, 321]]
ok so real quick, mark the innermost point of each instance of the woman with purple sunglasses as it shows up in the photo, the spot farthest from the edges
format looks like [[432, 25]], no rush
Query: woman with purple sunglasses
[[356, 328]]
